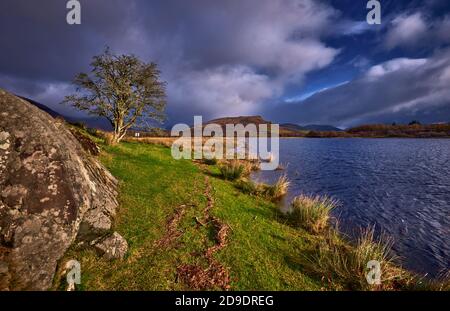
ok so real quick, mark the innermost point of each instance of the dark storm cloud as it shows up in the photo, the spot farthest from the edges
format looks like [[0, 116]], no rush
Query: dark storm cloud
[[37, 43], [40, 53], [398, 90], [230, 58], [219, 57]]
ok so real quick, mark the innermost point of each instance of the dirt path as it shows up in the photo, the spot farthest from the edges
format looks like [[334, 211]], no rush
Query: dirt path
[[172, 232], [215, 275]]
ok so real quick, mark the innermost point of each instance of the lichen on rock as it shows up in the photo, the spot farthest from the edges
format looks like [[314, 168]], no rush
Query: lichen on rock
[[112, 247], [4, 140], [52, 193]]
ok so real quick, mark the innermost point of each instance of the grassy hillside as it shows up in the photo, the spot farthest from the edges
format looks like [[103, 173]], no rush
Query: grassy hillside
[[189, 229], [259, 246]]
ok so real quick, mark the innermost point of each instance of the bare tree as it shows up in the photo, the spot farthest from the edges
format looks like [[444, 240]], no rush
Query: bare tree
[[123, 89]]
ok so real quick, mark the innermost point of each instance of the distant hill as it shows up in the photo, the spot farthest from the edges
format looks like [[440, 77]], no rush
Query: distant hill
[[293, 127], [244, 120], [321, 128], [413, 130], [92, 122], [312, 127], [51, 112], [286, 130]]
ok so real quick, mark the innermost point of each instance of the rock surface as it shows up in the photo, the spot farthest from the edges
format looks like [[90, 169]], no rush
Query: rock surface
[[52, 193], [112, 247]]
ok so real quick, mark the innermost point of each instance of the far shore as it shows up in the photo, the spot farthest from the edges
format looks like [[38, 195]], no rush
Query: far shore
[[172, 139]]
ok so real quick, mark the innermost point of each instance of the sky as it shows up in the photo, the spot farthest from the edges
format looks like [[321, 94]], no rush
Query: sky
[[296, 61]]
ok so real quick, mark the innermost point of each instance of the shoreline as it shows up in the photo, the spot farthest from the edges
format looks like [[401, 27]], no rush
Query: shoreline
[[258, 247], [333, 174]]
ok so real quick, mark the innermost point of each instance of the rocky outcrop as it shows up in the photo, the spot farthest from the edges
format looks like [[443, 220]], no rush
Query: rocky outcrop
[[52, 193], [112, 247]]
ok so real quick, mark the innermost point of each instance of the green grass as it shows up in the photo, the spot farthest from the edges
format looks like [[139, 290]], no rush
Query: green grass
[[152, 186], [264, 251], [262, 246]]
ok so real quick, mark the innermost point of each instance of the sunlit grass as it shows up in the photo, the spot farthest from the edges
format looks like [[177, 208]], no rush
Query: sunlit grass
[[265, 251], [231, 170], [346, 266], [271, 192], [152, 186], [311, 213]]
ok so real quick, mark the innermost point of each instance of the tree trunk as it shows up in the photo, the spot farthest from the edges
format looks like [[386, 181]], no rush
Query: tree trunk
[[118, 131], [118, 136], [115, 139]]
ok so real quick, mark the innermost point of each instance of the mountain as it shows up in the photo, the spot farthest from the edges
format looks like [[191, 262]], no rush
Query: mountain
[[286, 130], [293, 127], [321, 128], [51, 112], [244, 120], [312, 127], [91, 122]]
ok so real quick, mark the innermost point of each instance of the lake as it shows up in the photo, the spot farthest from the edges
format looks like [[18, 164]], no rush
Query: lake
[[400, 186]]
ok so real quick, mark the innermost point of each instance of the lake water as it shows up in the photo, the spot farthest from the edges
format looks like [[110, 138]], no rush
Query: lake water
[[401, 186]]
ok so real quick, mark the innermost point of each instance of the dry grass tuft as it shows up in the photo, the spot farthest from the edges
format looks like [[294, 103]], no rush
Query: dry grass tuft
[[109, 139], [160, 141], [339, 263], [232, 170], [279, 189], [271, 192], [311, 213]]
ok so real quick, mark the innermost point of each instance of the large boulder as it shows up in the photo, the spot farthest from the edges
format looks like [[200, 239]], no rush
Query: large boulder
[[52, 193]]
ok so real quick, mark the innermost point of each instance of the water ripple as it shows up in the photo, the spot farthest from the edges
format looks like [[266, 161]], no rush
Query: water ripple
[[402, 186]]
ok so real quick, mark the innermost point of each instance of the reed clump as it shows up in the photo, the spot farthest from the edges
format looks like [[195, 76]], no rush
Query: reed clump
[[231, 170], [311, 213], [355, 267], [271, 192]]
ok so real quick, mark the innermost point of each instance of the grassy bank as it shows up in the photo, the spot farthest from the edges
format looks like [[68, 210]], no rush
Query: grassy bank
[[188, 228], [153, 186]]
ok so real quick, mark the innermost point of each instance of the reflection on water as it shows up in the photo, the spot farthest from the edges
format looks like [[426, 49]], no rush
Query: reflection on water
[[402, 186]]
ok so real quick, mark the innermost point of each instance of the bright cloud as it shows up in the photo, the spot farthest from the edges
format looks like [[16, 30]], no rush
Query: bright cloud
[[399, 90], [406, 30], [394, 65]]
